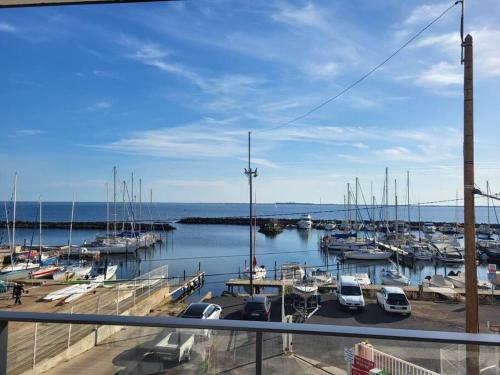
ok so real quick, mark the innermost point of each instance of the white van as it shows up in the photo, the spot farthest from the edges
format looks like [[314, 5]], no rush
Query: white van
[[349, 294]]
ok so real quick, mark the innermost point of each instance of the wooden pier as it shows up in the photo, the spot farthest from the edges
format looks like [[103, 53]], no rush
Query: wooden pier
[[412, 292], [186, 286]]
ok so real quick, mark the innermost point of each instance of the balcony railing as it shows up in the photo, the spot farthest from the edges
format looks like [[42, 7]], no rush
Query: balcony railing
[[222, 346]]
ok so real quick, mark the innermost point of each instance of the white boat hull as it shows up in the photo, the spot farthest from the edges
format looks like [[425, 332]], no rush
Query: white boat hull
[[363, 255]]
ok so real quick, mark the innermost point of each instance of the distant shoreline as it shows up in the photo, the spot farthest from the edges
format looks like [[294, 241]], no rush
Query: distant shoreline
[[167, 226], [239, 203]]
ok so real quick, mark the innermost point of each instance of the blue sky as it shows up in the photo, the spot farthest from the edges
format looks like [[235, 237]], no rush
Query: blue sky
[[170, 90]]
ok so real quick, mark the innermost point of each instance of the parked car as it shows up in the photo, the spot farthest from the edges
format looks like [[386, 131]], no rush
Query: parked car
[[349, 293], [201, 311], [175, 347], [393, 299], [257, 308]]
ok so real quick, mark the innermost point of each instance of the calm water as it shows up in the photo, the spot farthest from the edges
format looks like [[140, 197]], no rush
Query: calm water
[[222, 251], [88, 211]]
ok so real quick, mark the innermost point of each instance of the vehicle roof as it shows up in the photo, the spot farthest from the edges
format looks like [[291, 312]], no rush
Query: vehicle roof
[[260, 299], [196, 309], [348, 280], [394, 289]]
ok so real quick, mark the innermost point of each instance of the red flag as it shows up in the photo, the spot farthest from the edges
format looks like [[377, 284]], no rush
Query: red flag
[[254, 262]]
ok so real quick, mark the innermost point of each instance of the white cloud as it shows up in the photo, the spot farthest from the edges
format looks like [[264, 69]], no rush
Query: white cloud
[[262, 162], [360, 145], [27, 132], [101, 105], [7, 28], [156, 56], [308, 16], [486, 52], [197, 140], [441, 74], [326, 70], [424, 13], [104, 74]]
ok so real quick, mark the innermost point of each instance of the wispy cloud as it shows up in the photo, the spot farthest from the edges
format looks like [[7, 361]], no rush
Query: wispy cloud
[[156, 56], [100, 105], [7, 28], [424, 13], [192, 141], [27, 132], [441, 74]]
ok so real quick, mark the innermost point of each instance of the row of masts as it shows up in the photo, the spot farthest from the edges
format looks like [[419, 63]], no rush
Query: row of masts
[[131, 215]]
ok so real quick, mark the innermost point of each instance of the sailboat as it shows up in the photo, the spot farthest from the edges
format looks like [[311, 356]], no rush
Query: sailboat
[[367, 253], [305, 288], [16, 270], [393, 275], [72, 271]]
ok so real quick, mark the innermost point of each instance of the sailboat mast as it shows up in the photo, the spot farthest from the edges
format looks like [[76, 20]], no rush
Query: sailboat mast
[[349, 206], [114, 200], [345, 212], [107, 211], [71, 225], [387, 197], [419, 224], [40, 228], [408, 194], [132, 205], [396, 207], [8, 224], [124, 207], [373, 199], [356, 203], [140, 203], [14, 219], [151, 206], [488, 201]]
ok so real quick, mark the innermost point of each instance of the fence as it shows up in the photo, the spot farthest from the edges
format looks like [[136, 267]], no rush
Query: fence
[[248, 342], [389, 363]]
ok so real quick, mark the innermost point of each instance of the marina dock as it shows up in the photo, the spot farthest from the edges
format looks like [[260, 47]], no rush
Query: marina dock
[[56, 343]]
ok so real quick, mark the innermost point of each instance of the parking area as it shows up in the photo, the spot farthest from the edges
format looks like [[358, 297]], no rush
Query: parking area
[[440, 316]]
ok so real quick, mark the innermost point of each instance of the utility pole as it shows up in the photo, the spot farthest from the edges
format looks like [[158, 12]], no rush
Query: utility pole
[[471, 301], [251, 173]]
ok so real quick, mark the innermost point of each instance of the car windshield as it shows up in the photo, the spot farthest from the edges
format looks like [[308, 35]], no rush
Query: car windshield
[[397, 299], [254, 306], [349, 290], [194, 311]]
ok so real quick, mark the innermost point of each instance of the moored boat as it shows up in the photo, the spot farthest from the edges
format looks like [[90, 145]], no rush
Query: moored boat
[[393, 276], [292, 271], [367, 253], [259, 273], [305, 288], [305, 222]]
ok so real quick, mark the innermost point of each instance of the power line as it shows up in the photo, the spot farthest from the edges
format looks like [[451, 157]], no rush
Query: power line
[[366, 75]]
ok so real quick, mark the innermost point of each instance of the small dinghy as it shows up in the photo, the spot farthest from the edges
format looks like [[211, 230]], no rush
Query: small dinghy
[[438, 281], [259, 273], [321, 277], [393, 276]]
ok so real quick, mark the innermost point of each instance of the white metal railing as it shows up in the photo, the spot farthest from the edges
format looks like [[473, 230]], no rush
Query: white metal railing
[[390, 363]]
